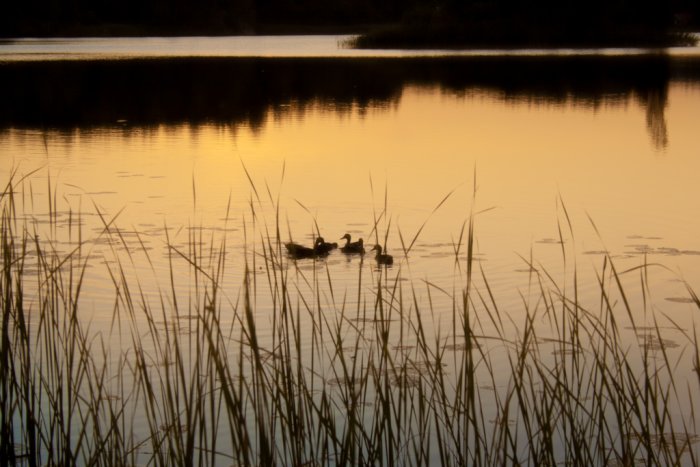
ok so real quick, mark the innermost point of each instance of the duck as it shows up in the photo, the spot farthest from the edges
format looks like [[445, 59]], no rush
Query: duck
[[322, 247], [351, 247], [297, 251], [382, 258]]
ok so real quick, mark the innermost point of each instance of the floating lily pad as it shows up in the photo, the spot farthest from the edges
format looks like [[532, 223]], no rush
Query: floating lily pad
[[109, 397], [550, 241], [596, 252], [680, 299], [621, 463], [344, 382], [408, 379], [680, 440], [456, 347], [652, 342], [566, 351], [372, 320], [499, 421]]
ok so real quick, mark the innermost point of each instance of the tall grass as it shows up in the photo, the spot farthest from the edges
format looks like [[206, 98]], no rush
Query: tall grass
[[335, 380]]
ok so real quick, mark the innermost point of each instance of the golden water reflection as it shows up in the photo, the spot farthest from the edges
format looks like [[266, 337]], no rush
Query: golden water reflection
[[177, 190], [627, 162], [162, 173]]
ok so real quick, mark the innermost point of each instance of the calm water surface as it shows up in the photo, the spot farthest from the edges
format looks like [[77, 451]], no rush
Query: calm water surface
[[411, 146], [165, 142]]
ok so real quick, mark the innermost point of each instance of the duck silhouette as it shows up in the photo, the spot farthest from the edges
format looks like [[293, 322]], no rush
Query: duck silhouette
[[320, 248], [382, 258], [351, 247], [323, 247], [297, 251]]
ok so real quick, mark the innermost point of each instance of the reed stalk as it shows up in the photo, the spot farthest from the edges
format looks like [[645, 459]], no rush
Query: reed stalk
[[296, 368]]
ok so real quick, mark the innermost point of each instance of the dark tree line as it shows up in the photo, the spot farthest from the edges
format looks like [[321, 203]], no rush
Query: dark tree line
[[542, 23], [108, 17], [173, 17]]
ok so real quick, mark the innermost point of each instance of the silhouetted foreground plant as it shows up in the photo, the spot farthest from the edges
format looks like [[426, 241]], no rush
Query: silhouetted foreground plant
[[332, 380]]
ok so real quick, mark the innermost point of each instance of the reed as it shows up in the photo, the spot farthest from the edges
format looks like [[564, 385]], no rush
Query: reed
[[347, 375]]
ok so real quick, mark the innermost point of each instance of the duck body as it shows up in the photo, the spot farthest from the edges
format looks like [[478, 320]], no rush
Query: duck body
[[351, 247], [297, 251], [382, 258], [322, 247]]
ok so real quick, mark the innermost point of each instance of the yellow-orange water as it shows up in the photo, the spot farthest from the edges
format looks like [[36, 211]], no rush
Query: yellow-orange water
[[635, 177], [410, 162]]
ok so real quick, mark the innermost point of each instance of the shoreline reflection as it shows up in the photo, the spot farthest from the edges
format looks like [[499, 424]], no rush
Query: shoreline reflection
[[144, 93]]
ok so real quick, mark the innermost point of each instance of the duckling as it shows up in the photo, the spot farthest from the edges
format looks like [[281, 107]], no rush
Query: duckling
[[297, 251], [382, 258], [352, 247], [322, 247]]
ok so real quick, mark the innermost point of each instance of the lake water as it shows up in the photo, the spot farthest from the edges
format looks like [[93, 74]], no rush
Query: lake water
[[216, 135]]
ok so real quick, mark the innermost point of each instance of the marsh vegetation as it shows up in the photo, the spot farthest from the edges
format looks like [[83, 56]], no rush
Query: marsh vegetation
[[355, 373]]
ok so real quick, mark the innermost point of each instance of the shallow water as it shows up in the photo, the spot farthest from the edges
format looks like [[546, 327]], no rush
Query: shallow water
[[181, 153]]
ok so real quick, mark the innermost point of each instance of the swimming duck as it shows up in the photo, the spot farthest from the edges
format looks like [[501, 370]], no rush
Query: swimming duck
[[352, 247], [323, 247], [297, 251], [382, 258]]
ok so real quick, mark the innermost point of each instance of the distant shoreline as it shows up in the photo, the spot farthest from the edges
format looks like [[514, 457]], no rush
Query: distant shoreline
[[407, 37], [127, 30], [384, 36]]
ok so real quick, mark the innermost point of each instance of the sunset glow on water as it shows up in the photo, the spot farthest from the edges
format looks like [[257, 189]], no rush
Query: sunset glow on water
[[561, 165]]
